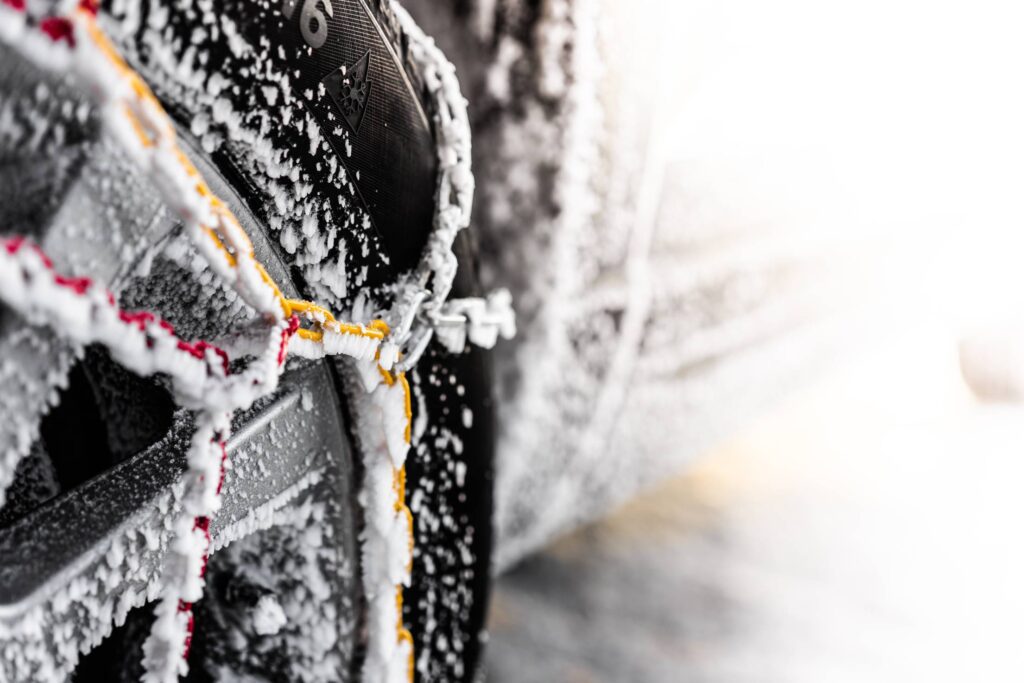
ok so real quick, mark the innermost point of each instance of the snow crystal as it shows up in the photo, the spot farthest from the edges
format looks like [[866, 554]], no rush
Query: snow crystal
[[267, 616]]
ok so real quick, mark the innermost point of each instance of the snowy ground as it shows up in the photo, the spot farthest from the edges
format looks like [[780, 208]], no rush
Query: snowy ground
[[866, 531]]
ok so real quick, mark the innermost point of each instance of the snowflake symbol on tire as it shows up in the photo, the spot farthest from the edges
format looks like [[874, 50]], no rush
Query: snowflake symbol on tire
[[349, 87], [353, 97]]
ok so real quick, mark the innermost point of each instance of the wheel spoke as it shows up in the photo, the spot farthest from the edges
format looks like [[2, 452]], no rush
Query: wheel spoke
[[89, 555]]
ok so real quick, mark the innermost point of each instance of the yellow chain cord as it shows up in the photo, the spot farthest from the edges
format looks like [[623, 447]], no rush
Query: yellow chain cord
[[404, 636], [321, 317]]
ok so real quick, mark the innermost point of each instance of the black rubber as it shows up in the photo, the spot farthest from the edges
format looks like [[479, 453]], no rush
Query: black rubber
[[372, 93]]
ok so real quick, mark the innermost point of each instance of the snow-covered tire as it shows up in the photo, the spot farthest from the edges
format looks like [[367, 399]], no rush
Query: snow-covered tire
[[335, 183]]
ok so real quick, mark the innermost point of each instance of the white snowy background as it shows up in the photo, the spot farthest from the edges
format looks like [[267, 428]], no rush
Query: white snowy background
[[865, 528]]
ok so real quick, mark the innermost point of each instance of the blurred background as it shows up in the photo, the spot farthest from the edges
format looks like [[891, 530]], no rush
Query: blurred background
[[866, 530], [762, 421]]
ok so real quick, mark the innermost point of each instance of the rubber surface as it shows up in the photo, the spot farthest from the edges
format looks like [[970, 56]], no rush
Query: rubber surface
[[364, 86]]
